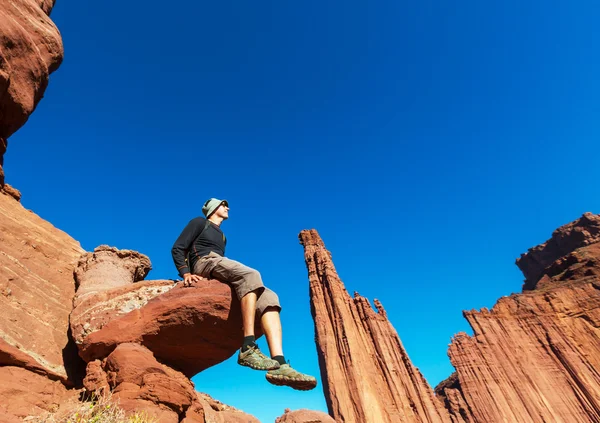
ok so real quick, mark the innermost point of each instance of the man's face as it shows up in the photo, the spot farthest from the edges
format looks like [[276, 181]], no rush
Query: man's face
[[222, 211]]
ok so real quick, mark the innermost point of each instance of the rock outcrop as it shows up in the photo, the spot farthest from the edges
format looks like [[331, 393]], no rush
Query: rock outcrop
[[139, 383], [30, 49], [24, 393], [304, 416], [36, 291], [534, 357], [543, 263], [187, 328], [367, 375]]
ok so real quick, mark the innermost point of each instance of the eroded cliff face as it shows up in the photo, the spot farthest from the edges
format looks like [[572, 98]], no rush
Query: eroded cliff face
[[30, 49], [367, 375], [36, 291], [534, 357]]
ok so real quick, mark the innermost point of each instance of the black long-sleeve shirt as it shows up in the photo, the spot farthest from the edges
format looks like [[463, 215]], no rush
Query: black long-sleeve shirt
[[212, 239]]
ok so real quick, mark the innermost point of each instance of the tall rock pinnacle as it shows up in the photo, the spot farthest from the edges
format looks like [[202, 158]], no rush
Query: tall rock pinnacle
[[367, 375]]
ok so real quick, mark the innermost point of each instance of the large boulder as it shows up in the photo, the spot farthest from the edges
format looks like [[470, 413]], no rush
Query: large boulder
[[139, 383], [188, 328]]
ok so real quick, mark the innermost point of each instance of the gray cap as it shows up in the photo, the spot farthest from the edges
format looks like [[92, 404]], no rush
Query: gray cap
[[211, 205]]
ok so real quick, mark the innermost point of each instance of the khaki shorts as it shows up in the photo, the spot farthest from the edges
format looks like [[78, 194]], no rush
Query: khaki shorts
[[241, 278]]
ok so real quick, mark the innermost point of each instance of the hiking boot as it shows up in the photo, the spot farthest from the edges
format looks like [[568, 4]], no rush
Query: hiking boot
[[256, 360], [287, 376]]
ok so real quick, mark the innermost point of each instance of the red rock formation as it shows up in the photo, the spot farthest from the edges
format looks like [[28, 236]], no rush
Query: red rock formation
[[30, 49], [304, 416], [367, 375], [139, 383], [37, 367], [37, 264], [566, 239], [189, 329], [450, 392], [36, 290], [534, 356], [24, 393], [213, 411]]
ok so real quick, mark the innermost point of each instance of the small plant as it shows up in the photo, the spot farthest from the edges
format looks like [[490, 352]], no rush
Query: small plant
[[96, 409]]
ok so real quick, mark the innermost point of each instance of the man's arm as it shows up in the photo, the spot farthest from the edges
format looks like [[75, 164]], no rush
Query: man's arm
[[184, 243]]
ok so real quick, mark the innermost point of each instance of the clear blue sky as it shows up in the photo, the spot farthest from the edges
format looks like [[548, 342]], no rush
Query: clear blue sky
[[429, 143]]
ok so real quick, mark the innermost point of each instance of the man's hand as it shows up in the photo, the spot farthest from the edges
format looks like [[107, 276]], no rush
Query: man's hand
[[188, 278]]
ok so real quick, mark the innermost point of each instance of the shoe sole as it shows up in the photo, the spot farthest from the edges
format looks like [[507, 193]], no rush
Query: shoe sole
[[255, 367], [299, 385]]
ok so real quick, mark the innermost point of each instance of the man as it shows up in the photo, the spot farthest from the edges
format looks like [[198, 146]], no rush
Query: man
[[204, 242]]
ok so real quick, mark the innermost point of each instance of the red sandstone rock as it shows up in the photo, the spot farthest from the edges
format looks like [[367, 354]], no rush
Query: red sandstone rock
[[139, 383], [107, 268], [94, 310], [449, 392], [95, 379], [367, 375], [30, 49], [189, 329], [8, 190], [566, 239], [137, 380], [217, 412], [23, 394], [304, 416], [534, 356], [36, 290], [108, 286]]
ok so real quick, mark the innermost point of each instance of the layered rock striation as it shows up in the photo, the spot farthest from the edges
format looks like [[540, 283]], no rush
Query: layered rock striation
[[366, 372], [534, 357], [30, 50], [36, 292]]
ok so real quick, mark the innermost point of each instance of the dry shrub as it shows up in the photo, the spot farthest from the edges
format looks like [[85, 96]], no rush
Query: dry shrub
[[96, 409]]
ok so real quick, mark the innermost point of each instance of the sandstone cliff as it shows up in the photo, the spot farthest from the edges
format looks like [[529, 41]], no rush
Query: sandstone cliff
[[36, 291], [367, 375], [30, 49], [534, 356]]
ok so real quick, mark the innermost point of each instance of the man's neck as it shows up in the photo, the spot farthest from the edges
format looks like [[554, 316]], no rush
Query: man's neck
[[216, 220]]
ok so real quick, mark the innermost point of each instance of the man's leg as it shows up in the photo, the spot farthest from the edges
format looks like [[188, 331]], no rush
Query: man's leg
[[248, 286], [248, 306], [271, 324], [268, 308]]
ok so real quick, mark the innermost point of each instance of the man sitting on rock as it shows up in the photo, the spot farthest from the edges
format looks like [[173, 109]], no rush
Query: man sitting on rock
[[204, 242]]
